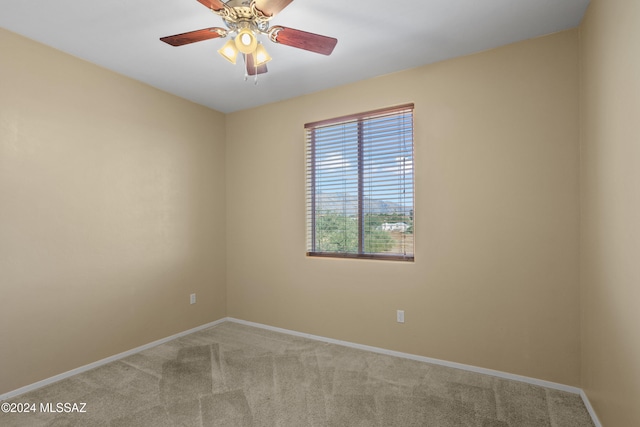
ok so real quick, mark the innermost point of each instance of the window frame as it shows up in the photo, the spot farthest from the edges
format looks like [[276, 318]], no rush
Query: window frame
[[311, 169]]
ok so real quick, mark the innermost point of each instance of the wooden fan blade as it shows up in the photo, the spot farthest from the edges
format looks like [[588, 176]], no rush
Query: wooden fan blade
[[194, 36], [271, 7], [213, 4], [303, 40], [251, 69]]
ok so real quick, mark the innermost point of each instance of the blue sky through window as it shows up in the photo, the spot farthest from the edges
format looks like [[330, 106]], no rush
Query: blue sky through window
[[387, 161]]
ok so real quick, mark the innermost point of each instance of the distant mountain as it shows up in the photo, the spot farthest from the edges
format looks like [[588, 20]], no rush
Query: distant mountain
[[348, 203]]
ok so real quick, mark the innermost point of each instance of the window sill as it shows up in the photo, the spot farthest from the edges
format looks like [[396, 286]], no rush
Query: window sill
[[382, 257]]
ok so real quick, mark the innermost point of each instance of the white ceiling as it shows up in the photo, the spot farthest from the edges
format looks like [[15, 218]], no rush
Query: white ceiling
[[375, 37]]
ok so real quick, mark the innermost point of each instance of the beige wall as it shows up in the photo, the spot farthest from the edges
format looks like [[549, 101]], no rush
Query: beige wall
[[495, 281], [113, 204], [111, 213], [610, 209]]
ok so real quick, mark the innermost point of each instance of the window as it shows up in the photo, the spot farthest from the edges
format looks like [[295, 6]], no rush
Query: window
[[360, 185]]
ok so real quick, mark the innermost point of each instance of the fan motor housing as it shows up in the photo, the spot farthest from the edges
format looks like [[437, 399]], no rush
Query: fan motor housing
[[237, 12]]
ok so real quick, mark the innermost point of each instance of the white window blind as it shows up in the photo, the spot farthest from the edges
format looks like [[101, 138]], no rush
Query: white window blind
[[360, 185]]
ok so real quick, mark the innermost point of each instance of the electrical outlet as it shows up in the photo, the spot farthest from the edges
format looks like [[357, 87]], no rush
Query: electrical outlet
[[400, 316], [192, 299]]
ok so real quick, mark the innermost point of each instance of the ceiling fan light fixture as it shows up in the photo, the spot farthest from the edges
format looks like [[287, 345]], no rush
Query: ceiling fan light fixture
[[246, 41], [247, 21], [261, 55], [229, 51]]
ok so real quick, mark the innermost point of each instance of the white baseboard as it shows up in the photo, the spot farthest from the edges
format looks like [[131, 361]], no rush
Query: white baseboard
[[104, 361], [471, 368], [590, 409]]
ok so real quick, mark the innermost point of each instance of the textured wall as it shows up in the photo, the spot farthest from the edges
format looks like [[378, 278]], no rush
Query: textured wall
[[610, 209], [111, 213], [495, 281], [113, 205]]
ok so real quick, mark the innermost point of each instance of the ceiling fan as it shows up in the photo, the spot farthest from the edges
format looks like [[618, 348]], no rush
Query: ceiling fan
[[245, 19]]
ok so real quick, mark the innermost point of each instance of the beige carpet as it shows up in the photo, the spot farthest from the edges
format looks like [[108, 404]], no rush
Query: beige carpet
[[235, 375]]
